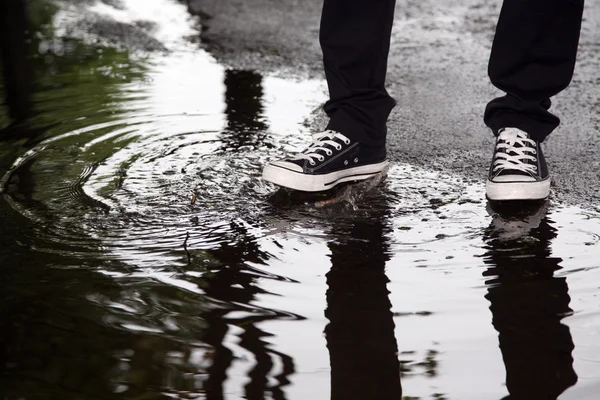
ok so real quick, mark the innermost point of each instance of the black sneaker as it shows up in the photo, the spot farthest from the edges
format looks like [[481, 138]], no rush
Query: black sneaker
[[518, 170], [332, 158]]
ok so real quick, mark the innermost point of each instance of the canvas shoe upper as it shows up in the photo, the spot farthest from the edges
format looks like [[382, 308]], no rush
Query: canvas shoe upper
[[330, 159], [518, 170]]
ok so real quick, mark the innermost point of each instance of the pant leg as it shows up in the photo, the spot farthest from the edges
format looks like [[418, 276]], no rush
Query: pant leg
[[533, 58], [355, 39]]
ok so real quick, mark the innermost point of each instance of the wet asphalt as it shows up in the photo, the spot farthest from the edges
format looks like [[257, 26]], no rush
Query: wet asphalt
[[438, 75]]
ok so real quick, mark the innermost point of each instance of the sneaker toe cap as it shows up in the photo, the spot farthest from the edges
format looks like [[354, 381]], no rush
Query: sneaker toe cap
[[514, 178], [287, 165]]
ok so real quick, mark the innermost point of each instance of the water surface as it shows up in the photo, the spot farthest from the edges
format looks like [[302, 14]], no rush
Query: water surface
[[143, 258]]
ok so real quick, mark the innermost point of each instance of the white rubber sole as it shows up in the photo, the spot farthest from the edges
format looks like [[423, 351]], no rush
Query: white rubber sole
[[317, 183], [518, 190]]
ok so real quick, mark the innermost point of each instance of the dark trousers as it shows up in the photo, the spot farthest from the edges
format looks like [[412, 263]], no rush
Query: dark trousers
[[355, 39], [533, 58]]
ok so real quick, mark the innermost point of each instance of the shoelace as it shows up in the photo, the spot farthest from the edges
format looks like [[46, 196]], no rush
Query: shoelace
[[320, 141], [518, 150]]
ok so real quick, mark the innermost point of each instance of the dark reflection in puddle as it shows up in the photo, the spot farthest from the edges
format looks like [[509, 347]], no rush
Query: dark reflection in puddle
[[234, 283], [360, 334], [116, 286], [528, 302], [244, 99]]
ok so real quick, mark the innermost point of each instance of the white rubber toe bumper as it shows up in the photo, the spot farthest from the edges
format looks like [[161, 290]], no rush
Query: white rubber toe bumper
[[280, 175], [517, 188]]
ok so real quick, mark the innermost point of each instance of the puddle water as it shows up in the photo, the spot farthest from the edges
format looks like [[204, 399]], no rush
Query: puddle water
[[143, 258]]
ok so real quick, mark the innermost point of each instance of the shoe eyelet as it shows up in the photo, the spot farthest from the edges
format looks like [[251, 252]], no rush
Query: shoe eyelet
[[355, 160], [347, 141], [329, 153], [345, 162], [338, 147], [321, 158], [312, 163]]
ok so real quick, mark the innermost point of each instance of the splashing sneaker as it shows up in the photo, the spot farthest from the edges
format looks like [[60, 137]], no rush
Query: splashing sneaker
[[518, 170], [331, 159]]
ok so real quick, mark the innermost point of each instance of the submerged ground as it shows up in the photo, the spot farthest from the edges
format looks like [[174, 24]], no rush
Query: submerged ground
[[142, 257]]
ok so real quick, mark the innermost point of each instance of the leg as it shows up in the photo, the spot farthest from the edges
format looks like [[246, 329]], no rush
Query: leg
[[355, 39], [532, 59]]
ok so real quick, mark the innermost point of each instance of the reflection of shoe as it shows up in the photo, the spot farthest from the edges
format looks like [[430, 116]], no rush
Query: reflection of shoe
[[518, 170], [515, 220], [332, 158]]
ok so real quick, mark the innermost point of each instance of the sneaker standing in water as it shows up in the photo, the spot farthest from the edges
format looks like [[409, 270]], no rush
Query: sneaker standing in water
[[355, 39], [533, 58]]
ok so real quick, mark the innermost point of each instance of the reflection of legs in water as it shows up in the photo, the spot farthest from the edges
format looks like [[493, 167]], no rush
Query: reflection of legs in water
[[360, 335], [244, 97], [528, 304], [233, 283], [15, 57], [223, 357], [259, 385]]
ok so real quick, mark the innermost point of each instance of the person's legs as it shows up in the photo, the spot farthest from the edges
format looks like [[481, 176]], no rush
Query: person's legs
[[532, 59], [355, 39]]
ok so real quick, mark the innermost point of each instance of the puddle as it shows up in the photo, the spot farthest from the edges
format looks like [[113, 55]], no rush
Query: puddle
[[144, 258]]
